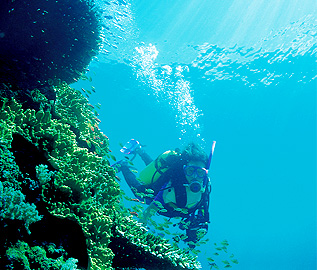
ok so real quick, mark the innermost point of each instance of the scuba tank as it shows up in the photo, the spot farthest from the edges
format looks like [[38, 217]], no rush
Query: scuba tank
[[157, 167]]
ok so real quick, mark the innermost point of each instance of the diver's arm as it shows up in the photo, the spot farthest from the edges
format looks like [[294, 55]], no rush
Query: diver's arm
[[144, 156], [148, 212]]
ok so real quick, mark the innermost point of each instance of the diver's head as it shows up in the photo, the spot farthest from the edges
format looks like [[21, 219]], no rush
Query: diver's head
[[196, 175], [195, 162], [192, 153]]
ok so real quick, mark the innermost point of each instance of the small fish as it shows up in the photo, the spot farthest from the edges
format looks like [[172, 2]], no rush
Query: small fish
[[186, 225], [141, 195], [137, 208], [88, 143], [224, 243], [183, 236], [195, 251], [158, 204], [93, 89], [203, 242], [176, 238], [148, 190], [134, 213], [135, 200], [213, 265], [235, 261], [167, 222], [96, 126], [184, 211]]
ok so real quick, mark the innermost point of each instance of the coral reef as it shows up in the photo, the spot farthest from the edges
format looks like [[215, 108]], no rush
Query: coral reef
[[72, 186], [80, 186], [59, 198]]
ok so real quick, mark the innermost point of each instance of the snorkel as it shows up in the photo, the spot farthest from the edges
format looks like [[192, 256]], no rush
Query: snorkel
[[210, 155]]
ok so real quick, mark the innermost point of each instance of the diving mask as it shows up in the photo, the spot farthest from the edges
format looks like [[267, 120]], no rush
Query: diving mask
[[199, 175]]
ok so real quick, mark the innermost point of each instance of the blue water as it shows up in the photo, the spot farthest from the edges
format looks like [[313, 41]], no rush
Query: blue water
[[242, 73]]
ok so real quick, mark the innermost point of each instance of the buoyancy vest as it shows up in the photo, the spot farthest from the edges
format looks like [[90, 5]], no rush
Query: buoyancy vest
[[167, 171], [192, 199]]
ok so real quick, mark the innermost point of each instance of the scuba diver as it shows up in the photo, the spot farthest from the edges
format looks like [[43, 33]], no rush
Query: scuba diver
[[175, 184]]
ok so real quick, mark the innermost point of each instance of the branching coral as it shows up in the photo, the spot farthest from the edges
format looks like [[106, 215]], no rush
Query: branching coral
[[43, 174], [13, 206], [22, 256]]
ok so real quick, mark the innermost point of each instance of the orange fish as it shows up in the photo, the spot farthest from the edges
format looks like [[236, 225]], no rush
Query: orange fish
[[98, 120], [134, 214]]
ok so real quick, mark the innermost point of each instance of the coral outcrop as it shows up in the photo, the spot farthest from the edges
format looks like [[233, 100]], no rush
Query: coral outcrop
[[57, 38], [59, 198]]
